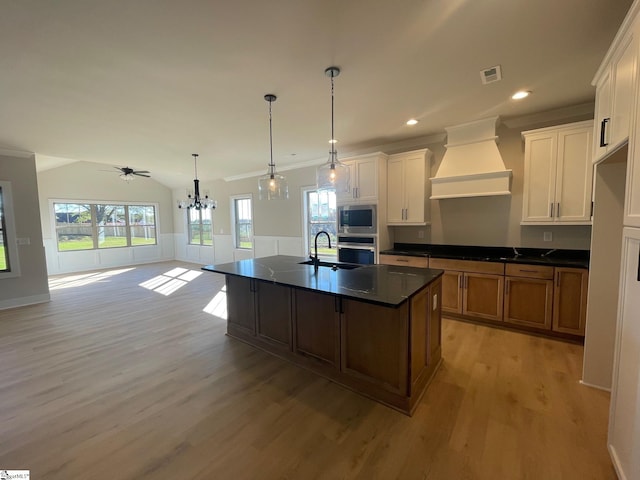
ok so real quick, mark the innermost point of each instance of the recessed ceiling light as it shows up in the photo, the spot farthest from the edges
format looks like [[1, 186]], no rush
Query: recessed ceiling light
[[413, 121], [520, 95]]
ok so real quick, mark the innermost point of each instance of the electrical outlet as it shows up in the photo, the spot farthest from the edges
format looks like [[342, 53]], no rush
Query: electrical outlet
[[420, 233], [547, 237], [221, 231], [23, 241]]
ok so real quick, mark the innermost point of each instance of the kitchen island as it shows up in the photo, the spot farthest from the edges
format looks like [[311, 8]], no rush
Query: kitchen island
[[374, 329]]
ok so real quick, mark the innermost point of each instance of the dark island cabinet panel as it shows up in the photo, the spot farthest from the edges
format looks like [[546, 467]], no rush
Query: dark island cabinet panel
[[374, 344], [317, 326], [274, 313], [241, 310]]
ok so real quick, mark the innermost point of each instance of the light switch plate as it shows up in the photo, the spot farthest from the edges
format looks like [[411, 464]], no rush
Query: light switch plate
[[547, 237]]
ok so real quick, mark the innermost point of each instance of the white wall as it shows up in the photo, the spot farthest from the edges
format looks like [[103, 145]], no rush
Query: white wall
[[604, 272], [31, 286], [90, 182], [493, 221]]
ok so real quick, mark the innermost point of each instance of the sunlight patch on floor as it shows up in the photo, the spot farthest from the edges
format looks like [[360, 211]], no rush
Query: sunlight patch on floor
[[170, 281], [81, 279], [218, 304]]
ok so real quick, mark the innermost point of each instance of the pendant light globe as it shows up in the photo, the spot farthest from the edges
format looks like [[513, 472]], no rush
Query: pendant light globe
[[333, 174], [272, 185]]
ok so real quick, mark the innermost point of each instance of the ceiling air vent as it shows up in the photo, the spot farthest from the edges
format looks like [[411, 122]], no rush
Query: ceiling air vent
[[490, 75]]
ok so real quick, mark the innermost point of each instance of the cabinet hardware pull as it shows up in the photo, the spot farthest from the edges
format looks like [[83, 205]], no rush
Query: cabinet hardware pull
[[529, 271], [558, 212], [603, 128], [639, 265], [551, 209], [592, 208], [336, 304], [402, 260]]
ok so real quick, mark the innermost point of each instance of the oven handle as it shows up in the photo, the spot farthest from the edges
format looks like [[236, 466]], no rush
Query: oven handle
[[356, 247]]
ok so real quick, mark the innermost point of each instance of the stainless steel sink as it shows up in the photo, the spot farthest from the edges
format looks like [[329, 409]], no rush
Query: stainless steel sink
[[332, 265]]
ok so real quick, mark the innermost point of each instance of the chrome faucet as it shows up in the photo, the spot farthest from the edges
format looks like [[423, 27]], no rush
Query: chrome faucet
[[316, 261]]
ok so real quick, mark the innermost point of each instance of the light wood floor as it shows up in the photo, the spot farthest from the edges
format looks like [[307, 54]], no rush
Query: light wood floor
[[111, 380]]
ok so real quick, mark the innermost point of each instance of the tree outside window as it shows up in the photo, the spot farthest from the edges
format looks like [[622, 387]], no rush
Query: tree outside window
[[87, 226]]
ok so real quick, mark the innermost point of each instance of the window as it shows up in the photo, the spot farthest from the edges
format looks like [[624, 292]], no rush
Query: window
[[87, 226], [9, 265], [320, 214], [200, 226], [243, 222]]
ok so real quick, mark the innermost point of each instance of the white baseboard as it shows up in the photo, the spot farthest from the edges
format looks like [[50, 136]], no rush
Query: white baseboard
[[616, 462], [24, 301], [595, 386]]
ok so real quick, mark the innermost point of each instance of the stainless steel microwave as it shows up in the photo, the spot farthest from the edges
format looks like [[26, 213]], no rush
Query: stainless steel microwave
[[357, 219]]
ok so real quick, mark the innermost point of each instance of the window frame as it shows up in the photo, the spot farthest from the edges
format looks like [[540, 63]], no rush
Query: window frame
[[305, 191], [95, 227], [200, 225], [9, 232], [234, 221]]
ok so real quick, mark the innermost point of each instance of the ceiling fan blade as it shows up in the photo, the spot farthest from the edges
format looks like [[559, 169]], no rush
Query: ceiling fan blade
[[141, 171], [141, 174]]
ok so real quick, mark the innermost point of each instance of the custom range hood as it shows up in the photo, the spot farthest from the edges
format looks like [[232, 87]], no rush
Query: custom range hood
[[472, 165]]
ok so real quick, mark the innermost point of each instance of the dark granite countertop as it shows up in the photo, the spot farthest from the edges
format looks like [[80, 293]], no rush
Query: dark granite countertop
[[380, 284], [531, 256]]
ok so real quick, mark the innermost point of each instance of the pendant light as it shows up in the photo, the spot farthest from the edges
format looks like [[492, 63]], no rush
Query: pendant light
[[272, 186], [333, 174], [194, 200]]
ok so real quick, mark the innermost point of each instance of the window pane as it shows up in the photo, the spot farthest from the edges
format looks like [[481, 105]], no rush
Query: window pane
[[321, 215], [142, 225], [73, 226], [110, 237], [194, 234], [4, 254], [244, 224]]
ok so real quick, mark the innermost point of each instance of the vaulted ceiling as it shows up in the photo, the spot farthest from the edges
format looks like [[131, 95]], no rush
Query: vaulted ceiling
[[146, 83]]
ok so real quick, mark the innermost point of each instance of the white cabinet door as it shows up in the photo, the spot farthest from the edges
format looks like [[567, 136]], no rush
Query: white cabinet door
[[624, 416], [367, 180], [363, 174], [615, 97], [602, 116], [558, 175], [574, 176], [540, 159], [395, 196], [414, 188], [624, 73], [407, 195]]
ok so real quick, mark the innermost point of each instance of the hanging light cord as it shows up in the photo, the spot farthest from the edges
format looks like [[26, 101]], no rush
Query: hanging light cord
[[195, 163], [333, 138], [271, 165]]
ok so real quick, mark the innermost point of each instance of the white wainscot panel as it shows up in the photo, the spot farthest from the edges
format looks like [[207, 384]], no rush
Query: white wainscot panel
[[78, 261], [291, 246], [242, 254], [265, 246], [223, 248], [110, 257]]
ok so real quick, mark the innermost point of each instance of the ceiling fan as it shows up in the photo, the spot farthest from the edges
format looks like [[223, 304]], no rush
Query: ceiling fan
[[127, 174]]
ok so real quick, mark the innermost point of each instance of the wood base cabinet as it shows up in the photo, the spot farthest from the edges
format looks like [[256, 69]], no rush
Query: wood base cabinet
[[570, 300], [528, 299], [471, 288]]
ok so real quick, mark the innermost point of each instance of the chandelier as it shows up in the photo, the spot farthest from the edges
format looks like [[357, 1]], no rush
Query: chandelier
[[194, 200], [333, 174], [272, 186]]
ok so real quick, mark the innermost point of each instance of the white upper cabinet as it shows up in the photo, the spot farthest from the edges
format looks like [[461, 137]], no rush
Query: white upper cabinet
[[408, 193], [615, 85], [365, 180], [558, 175], [632, 193]]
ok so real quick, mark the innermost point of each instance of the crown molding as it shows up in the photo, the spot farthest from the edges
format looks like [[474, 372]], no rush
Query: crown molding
[[558, 114]]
